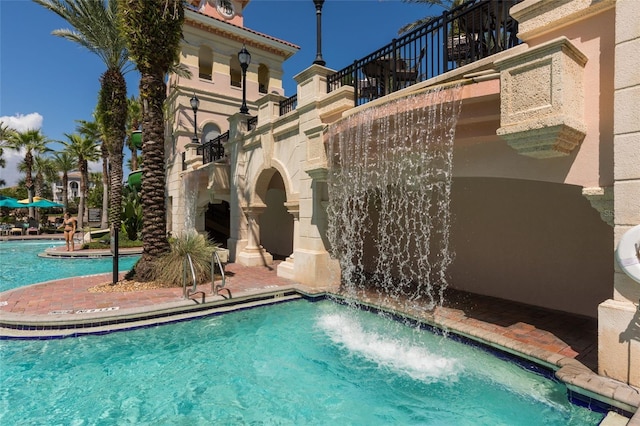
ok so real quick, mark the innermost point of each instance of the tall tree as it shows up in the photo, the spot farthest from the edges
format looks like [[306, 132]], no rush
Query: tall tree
[[444, 4], [83, 150], [92, 130], [32, 142], [96, 29], [64, 163], [4, 134], [134, 119], [153, 31]]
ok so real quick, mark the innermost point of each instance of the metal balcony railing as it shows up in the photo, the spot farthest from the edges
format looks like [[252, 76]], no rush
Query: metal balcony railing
[[252, 123], [475, 30], [288, 104], [213, 150]]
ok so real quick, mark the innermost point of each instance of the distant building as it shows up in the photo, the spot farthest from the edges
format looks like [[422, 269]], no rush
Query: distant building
[[73, 187]]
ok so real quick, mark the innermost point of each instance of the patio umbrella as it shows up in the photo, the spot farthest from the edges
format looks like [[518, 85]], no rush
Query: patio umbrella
[[26, 200], [44, 203], [39, 202], [11, 203]]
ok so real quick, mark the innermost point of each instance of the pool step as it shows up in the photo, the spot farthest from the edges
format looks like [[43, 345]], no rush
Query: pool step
[[86, 322]]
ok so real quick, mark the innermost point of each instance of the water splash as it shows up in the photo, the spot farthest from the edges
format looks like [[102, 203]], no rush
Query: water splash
[[398, 354], [389, 191]]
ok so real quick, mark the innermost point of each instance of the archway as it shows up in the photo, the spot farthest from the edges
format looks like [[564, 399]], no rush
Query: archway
[[276, 224], [217, 222]]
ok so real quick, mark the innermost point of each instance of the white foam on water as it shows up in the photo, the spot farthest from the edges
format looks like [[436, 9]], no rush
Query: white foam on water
[[398, 354]]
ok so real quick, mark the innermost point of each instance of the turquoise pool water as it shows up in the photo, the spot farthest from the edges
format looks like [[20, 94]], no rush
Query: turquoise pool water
[[295, 363], [21, 265]]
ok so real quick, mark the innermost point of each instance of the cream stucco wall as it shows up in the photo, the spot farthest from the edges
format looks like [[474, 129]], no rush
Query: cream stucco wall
[[619, 317], [531, 229]]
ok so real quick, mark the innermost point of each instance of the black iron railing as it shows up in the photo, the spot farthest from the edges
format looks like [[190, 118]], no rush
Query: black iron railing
[[252, 123], [468, 33], [213, 150], [288, 104]]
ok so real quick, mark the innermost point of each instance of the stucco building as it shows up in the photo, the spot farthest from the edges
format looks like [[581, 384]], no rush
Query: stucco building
[[546, 170]]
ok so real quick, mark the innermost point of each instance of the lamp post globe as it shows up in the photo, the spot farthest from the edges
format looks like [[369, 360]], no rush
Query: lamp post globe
[[244, 57]]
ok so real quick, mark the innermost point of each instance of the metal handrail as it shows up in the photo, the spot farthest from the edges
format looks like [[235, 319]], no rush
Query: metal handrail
[[186, 292], [216, 288], [213, 150], [288, 105]]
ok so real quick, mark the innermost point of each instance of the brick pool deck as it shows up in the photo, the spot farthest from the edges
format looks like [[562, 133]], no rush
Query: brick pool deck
[[562, 341]]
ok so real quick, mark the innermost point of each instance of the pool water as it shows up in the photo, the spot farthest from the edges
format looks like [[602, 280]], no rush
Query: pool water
[[292, 363], [21, 265]]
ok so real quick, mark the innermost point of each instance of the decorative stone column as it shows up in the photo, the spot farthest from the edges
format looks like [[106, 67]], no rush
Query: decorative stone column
[[619, 317], [254, 254], [286, 268]]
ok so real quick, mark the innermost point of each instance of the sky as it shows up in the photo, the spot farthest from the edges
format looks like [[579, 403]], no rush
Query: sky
[[48, 83]]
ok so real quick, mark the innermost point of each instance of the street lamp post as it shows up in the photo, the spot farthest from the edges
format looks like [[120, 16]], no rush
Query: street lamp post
[[245, 59], [195, 103], [319, 60]]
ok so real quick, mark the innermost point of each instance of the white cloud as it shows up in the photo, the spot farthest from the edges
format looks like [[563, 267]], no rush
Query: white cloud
[[19, 123], [22, 123]]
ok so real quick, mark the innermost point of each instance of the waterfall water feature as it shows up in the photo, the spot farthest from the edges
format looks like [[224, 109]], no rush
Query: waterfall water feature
[[190, 196], [389, 195]]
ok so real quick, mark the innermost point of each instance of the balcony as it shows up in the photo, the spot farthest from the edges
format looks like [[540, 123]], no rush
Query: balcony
[[473, 31]]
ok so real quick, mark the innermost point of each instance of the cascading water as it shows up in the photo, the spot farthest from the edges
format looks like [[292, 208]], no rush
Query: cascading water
[[389, 195], [190, 196]]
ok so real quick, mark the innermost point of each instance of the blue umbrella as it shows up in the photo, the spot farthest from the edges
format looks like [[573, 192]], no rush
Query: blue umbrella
[[11, 203], [43, 203]]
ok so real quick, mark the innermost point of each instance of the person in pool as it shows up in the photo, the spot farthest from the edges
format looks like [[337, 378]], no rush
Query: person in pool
[[69, 224]]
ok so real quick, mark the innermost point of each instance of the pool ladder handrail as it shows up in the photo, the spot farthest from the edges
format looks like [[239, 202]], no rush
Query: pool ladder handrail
[[215, 289], [188, 292]]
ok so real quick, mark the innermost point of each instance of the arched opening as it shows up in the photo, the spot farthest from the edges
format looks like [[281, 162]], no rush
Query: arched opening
[[263, 78], [210, 131], [217, 222], [235, 72], [74, 189], [276, 224], [205, 63], [533, 242]]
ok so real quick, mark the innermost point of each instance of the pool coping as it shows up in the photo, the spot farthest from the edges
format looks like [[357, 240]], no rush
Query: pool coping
[[584, 386]]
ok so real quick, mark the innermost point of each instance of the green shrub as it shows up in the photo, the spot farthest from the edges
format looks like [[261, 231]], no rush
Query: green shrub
[[171, 265], [131, 215]]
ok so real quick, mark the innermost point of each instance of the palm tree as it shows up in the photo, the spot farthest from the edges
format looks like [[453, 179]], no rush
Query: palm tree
[[133, 123], [444, 4], [33, 142], [4, 134], [91, 130], [96, 29], [83, 150], [153, 31], [64, 163], [45, 173]]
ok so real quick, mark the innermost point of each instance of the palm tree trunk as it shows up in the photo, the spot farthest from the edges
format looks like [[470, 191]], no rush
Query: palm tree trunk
[[105, 187], [154, 225], [28, 161], [85, 212], [113, 104], [65, 192]]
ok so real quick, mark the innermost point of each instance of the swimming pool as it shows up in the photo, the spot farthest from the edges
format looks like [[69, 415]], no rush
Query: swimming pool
[[289, 364], [21, 265]]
